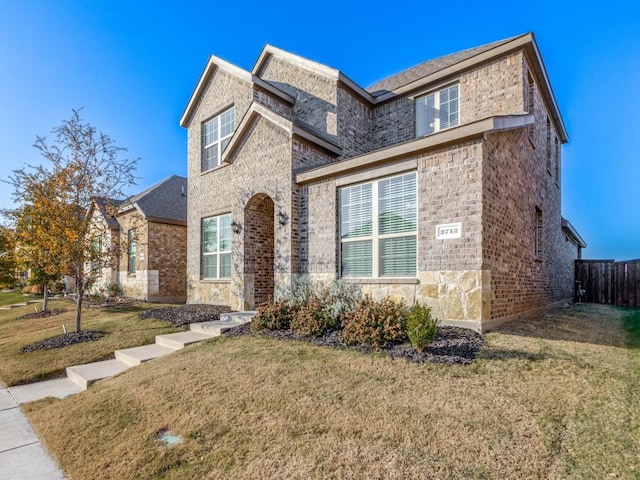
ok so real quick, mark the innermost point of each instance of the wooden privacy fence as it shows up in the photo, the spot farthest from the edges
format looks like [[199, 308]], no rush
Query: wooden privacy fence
[[607, 281]]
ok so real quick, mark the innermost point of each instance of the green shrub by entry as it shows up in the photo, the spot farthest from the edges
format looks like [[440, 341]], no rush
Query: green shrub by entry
[[421, 327]]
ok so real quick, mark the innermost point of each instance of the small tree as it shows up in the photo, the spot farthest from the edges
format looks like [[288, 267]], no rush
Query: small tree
[[52, 218], [7, 258]]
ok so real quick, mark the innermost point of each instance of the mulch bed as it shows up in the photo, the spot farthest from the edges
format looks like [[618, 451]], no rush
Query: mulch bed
[[183, 315], [65, 340], [451, 346], [42, 314]]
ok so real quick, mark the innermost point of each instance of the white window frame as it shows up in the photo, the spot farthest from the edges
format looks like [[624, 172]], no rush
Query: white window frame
[[218, 142], [219, 250], [436, 101], [375, 236]]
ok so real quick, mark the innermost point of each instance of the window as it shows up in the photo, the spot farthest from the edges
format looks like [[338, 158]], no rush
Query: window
[[216, 247], [530, 103], [216, 134], [530, 93], [131, 249], [538, 235], [557, 164], [96, 264], [378, 224], [437, 111], [549, 145]]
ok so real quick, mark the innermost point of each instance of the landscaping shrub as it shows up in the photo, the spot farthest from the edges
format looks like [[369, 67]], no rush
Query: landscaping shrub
[[375, 323], [421, 327], [312, 318], [317, 310], [272, 315]]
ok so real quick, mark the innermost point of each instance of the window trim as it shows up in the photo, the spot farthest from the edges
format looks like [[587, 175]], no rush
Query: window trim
[[219, 144], [375, 236], [218, 253], [436, 93]]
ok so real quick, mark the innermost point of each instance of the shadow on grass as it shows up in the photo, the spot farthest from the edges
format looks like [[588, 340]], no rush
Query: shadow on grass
[[503, 354], [584, 323]]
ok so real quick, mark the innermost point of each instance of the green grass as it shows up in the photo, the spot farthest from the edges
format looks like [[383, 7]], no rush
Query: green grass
[[10, 298], [124, 329], [554, 397], [632, 325]]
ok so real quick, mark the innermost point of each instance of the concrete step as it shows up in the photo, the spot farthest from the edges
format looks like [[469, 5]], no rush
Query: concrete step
[[136, 355], [181, 339], [58, 388], [239, 317], [215, 328], [85, 375]]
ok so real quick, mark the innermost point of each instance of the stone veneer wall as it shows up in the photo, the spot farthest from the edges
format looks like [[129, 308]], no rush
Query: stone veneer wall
[[168, 256], [142, 283]]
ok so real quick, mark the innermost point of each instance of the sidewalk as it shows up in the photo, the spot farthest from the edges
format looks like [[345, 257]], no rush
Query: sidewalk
[[22, 456]]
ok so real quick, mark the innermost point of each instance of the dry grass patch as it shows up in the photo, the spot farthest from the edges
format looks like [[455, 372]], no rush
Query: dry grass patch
[[124, 329], [531, 407]]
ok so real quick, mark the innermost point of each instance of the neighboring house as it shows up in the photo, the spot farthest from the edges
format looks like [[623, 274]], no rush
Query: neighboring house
[[440, 184], [149, 233]]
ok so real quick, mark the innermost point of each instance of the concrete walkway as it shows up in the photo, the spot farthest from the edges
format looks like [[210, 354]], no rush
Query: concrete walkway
[[22, 456]]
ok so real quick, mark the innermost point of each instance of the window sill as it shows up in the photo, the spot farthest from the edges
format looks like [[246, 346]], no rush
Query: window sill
[[212, 169], [215, 280], [383, 281]]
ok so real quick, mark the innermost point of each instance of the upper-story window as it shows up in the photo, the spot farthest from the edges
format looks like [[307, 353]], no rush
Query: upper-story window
[[216, 134], [437, 110]]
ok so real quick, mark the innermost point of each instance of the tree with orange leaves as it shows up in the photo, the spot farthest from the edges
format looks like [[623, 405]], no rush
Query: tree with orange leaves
[[53, 229]]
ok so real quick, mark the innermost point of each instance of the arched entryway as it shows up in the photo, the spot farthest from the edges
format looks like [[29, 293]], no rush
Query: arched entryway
[[258, 250]]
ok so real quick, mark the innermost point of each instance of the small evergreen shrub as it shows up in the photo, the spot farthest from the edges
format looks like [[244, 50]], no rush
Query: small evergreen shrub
[[272, 315], [421, 327], [374, 323]]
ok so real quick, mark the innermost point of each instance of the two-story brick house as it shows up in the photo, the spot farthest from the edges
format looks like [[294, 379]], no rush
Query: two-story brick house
[[440, 184]]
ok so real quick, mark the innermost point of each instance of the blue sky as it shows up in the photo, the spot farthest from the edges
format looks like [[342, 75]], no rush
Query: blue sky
[[134, 65]]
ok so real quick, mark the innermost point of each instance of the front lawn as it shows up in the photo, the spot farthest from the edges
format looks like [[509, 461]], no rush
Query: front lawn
[[124, 329], [555, 397], [9, 298]]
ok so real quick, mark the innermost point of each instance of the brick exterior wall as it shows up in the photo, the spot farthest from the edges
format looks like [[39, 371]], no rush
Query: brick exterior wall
[[168, 256], [316, 95], [491, 183]]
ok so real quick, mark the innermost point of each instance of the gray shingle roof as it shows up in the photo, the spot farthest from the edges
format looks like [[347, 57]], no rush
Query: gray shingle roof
[[107, 208], [166, 200], [429, 67]]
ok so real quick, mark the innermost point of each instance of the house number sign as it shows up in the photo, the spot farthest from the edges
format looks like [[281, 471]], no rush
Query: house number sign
[[448, 230]]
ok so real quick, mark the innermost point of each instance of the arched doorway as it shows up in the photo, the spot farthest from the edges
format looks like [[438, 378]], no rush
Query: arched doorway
[[258, 249]]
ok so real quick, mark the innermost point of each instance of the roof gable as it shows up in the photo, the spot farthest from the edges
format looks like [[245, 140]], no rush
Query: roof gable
[[209, 71], [305, 132], [164, 202]]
